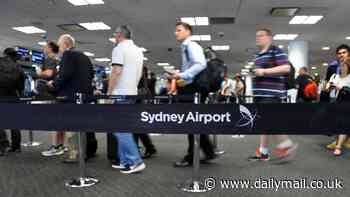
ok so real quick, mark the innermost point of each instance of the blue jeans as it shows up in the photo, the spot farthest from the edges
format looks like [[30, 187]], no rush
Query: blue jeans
[[128, 151]]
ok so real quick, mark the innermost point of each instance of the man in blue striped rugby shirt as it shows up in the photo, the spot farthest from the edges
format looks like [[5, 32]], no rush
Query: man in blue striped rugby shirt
[[270, 86]]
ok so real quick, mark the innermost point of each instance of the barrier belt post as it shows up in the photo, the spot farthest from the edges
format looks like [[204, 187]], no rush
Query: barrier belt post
[[31, 142], [196, 186], [83, 180], [217, 149]]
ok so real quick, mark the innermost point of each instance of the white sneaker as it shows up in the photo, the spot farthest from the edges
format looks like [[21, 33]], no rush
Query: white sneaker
[[118, 166], [133, 169], [53, 151]]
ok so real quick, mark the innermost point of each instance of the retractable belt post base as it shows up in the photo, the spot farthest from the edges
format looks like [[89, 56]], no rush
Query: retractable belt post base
[[195, 185], [82, 180], [31, 143]]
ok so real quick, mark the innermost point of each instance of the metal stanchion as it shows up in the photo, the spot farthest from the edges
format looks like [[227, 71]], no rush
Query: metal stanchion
[[195, 185], [82, 180], [31, 142], [217, 150]]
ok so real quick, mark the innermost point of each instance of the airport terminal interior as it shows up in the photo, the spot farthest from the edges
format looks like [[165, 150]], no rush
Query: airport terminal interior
[[259, 51]]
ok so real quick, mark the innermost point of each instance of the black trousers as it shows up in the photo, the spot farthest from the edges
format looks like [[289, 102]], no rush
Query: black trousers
[[146, 141], [205, 143], [16, 138], [4, 143]]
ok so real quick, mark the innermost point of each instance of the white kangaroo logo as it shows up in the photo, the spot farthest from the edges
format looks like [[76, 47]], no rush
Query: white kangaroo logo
[[247, 118]]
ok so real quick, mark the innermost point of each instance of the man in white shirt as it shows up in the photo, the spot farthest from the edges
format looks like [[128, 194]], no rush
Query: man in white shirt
[[127, 63]]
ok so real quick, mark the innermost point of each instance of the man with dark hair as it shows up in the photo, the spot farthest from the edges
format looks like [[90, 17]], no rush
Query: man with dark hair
[[48, 72], [302, 80], [342, 53], [193, 62]]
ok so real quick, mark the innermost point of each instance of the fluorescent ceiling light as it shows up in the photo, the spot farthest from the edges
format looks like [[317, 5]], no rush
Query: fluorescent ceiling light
[[326, 48], [285, 36], [245, 70], [169, 67], [42, 43], [314, 68], [202, 21], [95, 26], [251, 63], [145, 59], [112, 40], [220, 47], [280, 46], [316, 74], [325, 64], [313, 20], [163, 64], [348, 38], [104, 59], [189, 20], [196, 21], [248, 66], [85, 2], [201, 37], [143, 49], [306, 20], [89, 54], [29, 30]]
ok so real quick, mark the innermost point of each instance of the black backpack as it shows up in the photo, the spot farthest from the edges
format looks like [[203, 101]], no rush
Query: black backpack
[[211, 77], [290, 81], [11, 77]]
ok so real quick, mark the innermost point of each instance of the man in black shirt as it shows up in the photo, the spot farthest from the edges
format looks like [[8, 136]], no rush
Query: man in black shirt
[[302, 80]]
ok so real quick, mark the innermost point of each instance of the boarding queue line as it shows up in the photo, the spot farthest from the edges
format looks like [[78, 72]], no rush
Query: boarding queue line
[[179, 118]]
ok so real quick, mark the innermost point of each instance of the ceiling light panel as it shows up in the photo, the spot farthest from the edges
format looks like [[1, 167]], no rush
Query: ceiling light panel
[[93, 26], [29, 30]]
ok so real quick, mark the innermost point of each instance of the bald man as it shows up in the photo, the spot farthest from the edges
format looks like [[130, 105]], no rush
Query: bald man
[[75, 76]]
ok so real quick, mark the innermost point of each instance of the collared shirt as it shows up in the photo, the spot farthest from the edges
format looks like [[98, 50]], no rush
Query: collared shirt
[[267, 86], [193, 60], [130, 57]]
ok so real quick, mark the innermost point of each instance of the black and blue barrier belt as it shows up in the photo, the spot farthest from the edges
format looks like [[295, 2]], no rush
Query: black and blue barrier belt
[[179, 118]]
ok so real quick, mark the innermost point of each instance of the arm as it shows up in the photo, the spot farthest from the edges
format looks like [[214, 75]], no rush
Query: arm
[[115, 74], [117, 68], [278, 70], [198, 61], [46, 74], [282, 66], [66, 72]]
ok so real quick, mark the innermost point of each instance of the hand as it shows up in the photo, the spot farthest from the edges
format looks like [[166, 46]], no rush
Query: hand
[[259, 72], [50, 84], [175, 76], [339, 88]]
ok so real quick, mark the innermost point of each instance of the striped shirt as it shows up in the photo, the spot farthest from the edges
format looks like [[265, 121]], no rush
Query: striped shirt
[[268, 86]]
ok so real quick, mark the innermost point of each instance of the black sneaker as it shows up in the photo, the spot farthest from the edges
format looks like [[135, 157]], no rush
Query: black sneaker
[[259, 156], [14, 150], [133, 169], [183, 163], [149, 153]]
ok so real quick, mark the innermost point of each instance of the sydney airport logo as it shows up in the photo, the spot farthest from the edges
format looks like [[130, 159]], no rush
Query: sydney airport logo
[[246, 120]]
